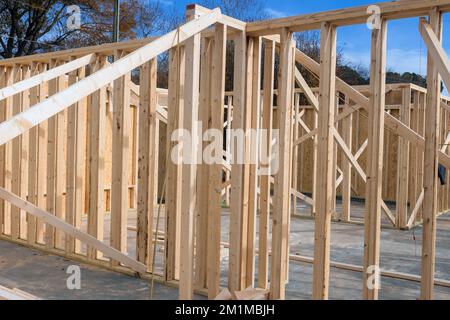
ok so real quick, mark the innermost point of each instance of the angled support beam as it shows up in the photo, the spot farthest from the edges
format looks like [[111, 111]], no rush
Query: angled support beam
[[348, 154], [361, 149], [435, 50], [51, 74], [415, 211], [63, 226], [306, 90], [372, 221]]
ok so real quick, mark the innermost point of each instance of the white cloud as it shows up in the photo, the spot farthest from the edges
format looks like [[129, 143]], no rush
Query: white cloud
[[275, 13]]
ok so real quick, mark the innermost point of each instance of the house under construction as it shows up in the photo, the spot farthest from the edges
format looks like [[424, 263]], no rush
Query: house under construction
[[87, 170]]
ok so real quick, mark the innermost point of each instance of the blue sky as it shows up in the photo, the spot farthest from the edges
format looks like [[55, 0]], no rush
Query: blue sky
[[406, 50]]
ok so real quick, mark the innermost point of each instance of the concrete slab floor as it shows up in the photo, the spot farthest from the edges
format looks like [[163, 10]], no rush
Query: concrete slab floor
[[44, 275]]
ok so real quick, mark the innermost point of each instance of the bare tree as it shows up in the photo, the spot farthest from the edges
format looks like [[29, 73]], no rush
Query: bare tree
[[30, 26], [245, 10]]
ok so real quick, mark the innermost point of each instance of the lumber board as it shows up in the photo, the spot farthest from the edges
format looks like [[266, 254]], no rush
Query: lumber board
[[96, 112], [253, 143], [436, 51], [355, 15], [74, 162], [373, 205], [217, 88], [403, 162], [40, 78], [265, 183], [201, 261], [173, 190], [325, 163], [189, 168], [16, 158], [33, 162], [431, 161], [120, 167], [237, 172], [147, 127], [282, 194]]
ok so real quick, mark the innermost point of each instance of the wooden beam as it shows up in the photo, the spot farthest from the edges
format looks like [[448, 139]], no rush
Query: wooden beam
[[436, 51], [347, 168], [6, 79], [345, 149], [60, 166], [201, 237], [189, 168], [16, 159], [237, 172], [392, 123], [253, 144], [75, 162], [173, 189], [431, 161], [282, 194], [53, 88], [41, 163], [306, 89], [120, 153], [323, 200], [403, 162], [217, 87], [146, 162], [265, 197], [55, 222], [356, 15], [372, 221], [33, 163], [40, 78], [96, 118]]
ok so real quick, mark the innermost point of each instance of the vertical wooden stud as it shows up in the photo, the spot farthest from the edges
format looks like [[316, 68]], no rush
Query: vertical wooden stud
[[267, 117], [431, 161], [215, 170], [146, 161], [372, 222], [97, 118], [120, 153], [281, 212], [324, 192]]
